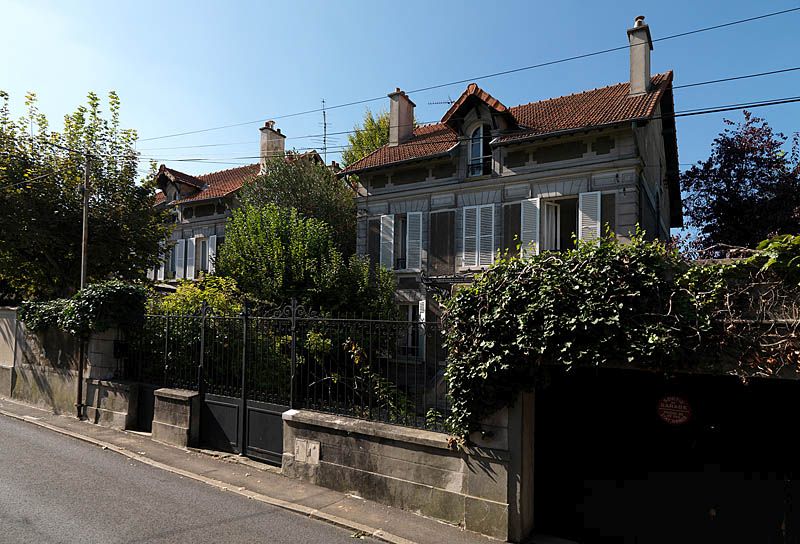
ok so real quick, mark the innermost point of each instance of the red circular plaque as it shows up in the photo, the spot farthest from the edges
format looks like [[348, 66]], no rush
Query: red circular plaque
[[674, 410]]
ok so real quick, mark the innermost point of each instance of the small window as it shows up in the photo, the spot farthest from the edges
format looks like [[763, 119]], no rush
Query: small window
[[480, 152], [400, 237], [203, 254]]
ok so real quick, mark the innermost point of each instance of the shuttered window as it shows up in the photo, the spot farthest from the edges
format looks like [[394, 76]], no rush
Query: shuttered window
[[486, 230], [529, 226], [441, 250], [478, 235], [589, 216], [470, 256], [387, 241], [180, 259], [374, 241], [190, 251], [212, 253], [414, 240]]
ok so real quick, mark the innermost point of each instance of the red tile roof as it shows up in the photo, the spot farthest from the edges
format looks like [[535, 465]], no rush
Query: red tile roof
[[159, 197], [474, 91], [598, 107], [222, 183], [180, 177]]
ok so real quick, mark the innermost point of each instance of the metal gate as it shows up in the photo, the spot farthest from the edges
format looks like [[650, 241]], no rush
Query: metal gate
[[245, 377]]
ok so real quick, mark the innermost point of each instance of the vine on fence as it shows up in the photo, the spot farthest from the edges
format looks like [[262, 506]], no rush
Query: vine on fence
[[638, 304], [97, 307]]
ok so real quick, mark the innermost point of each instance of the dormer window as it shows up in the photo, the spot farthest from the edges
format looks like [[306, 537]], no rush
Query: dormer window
[[480, 152]]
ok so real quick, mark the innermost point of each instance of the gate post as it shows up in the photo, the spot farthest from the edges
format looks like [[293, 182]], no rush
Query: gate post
[[200, 370], [294, 352], [166, 351], [243, 409]]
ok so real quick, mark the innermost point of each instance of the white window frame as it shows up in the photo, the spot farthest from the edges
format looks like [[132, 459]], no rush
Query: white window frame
[[471, 159], [478, 235]]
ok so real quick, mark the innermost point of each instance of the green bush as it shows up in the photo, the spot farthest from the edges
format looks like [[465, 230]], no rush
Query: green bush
[[97, 307], [275, 254], [604, 303], [220, 294]]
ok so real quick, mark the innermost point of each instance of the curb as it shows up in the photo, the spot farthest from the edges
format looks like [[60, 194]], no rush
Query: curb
[[312, 513]]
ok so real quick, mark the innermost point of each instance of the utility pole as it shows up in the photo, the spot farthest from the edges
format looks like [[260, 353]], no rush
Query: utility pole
[[84, 249]]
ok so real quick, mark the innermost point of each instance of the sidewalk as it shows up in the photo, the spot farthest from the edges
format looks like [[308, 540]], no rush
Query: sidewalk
[[256, 481]]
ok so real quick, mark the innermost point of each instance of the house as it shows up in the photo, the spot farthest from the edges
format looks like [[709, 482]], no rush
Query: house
[[439, 200], [200, 206]]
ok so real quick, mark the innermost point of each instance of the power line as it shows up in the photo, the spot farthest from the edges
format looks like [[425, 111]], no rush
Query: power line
[[682, 113], [344, 132], [484, 76]]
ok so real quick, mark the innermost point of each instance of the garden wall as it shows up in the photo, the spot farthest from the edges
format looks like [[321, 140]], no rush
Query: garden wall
[[485, 488], [41, 368]]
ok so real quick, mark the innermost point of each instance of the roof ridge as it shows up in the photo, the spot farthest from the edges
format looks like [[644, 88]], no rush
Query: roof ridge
[[586, 91], [226, 170]]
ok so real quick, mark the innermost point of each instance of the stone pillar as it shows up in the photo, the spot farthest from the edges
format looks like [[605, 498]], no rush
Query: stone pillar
[[176, 417], [112, 404], [8, 343]]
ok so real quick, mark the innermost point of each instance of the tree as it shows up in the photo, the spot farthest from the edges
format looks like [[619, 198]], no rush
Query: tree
[[310, 188], [274, 254], [40, 180], [365, 139], [748, 189]]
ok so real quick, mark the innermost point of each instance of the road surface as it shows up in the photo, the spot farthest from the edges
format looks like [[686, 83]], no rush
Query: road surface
[[55, 489]]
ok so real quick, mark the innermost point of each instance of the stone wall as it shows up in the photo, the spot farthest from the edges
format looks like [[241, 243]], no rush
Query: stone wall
[[41, 368], [486, 488]]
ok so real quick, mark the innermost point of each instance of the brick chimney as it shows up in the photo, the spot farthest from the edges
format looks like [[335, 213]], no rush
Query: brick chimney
[[401, 117], [272, 143], [640, 46]]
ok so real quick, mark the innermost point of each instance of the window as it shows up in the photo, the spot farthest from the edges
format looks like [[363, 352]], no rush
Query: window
[[410, 342], [374, 241], [478, 239], [480, 152], [203, 255], [172, 262], [511, 228], [400, 235], [441, 253], [400, 246]]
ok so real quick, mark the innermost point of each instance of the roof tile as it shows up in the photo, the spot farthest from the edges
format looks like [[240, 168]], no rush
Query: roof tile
[[598, 107]]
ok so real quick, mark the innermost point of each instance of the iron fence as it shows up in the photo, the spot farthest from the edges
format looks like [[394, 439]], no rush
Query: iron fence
[[382, 370]]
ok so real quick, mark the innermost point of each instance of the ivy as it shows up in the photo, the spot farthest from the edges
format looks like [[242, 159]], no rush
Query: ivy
[[98, 307], [637, 304]]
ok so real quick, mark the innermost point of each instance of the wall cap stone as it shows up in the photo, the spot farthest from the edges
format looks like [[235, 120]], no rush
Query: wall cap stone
[[111, 384], [177, 394], [368, 428]]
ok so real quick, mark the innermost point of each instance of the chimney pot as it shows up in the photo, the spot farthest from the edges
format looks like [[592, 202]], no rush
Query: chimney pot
[[640, 46], [272, 143], [401, 118]]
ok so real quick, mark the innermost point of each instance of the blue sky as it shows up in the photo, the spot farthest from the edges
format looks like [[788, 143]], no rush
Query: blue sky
[[181, 66]]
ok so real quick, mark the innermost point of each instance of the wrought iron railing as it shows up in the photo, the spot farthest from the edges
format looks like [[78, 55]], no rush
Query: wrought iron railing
[[382, 370]]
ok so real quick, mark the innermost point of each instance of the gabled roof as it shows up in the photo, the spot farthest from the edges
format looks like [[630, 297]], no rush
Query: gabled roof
[[469, 96], [596, 108], [179, 177], [210, 186]]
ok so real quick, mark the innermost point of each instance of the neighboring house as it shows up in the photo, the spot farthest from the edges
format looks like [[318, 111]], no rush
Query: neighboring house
[[200, 206], [438, 201]]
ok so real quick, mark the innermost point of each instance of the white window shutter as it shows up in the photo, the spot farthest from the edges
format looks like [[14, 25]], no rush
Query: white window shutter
[[423, 308], [212, 253], [387, 241], [589, 216], [190, 251], [151, 274], [180, 259], [414, 240], [161, 268], [529, 227], [486, 234], [470, 251]]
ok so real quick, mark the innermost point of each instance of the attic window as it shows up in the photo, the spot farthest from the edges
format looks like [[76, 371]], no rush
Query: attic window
[[480, 152]]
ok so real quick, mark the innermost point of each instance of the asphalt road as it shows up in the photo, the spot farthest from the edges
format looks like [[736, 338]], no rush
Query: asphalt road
[[55, 489]]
